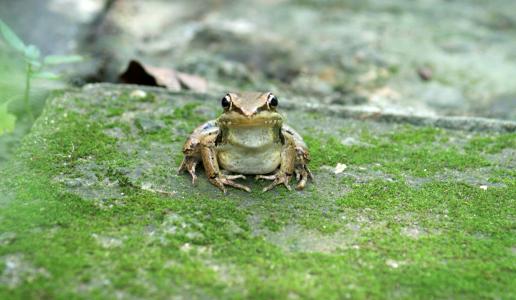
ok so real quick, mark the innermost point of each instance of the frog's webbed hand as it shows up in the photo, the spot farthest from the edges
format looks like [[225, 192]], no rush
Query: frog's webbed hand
[[302, 171], [279, 178], [221, 181], [211, 165], [302, 159], [294, 159]]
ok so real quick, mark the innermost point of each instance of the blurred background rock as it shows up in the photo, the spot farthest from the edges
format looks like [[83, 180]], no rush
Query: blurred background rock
[[341, 52], [425, 57]]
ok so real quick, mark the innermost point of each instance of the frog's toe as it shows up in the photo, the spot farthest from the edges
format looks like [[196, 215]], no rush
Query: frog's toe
[[275, 183], [218, 184], [237, 185], [194, 178], [222, 181], [231, 177], [192, 173], [279, 178], [266, 177], [189, 164], [302, 176], [301, 184], [310, 175], [285, 183]]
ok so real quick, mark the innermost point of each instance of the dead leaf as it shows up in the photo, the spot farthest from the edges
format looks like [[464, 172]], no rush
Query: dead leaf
[[164, 77], [193, 82], [138, 73]]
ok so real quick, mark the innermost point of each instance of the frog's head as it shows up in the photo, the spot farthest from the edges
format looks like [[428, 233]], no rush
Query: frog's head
[[250, 109]]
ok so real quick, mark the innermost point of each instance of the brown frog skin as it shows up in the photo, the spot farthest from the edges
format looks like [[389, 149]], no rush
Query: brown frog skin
[[248, 138]]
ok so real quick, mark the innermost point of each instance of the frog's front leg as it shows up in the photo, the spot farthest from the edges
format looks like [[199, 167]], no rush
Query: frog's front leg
[[294, 159], [211, 165], [192, 148], [286, 169], [302, 171]]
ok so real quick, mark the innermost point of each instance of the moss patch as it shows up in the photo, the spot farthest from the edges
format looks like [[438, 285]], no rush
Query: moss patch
[[492, 144], [416, 151], [376, 238]]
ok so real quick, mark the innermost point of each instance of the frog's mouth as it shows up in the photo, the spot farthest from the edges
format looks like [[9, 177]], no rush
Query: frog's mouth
[[264, 118]]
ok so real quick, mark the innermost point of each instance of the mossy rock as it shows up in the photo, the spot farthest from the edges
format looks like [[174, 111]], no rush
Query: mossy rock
[[92, 208]]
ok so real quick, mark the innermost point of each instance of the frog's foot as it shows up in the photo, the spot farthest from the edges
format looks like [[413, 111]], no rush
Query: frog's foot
[[278, 178], [189, 164], [221, 181], [302, 176]]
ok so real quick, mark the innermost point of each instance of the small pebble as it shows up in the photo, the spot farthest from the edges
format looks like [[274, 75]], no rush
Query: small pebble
[[138, 94], [339, 168], [392, 263]]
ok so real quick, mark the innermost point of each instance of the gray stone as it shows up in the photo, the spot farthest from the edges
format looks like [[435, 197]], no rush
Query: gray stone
[[443, 97], [348, 55], [54, 26], [149, 125]]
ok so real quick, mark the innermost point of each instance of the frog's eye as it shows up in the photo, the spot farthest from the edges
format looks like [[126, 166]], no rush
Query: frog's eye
[[226, 101], [272, 100]]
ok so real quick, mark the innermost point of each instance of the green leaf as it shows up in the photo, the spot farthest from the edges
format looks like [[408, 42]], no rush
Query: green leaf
[[36, 65], [7, 120], [32, 52], [62, 59], [11, 38], [46, 75]]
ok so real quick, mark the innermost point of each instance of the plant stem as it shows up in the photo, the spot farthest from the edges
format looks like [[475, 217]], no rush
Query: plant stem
[[26, 97]]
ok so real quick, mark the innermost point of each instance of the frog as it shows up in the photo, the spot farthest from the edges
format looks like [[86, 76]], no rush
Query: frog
[[250, 137]]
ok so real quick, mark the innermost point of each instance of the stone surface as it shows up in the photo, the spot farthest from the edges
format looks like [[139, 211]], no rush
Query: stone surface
[[415, 175], [94, 191], [338, 52], [54, 26]]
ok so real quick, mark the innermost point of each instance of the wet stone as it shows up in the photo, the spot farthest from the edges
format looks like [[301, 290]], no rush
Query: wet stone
[[411, 179], [153, 156], [384, 192], [149, 125]]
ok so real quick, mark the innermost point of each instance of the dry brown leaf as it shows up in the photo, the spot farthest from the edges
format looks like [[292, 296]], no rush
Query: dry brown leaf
[[138, 73], [193, 82]]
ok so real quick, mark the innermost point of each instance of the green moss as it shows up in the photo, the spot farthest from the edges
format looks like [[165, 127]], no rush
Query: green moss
[[416, 136], [503, 175], [183, 119], [416, 151], [465, 235], [492, 144], [73, 139], [186, 116], [376, 238], [115, 111]]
